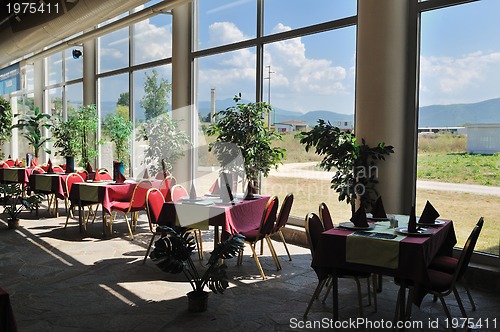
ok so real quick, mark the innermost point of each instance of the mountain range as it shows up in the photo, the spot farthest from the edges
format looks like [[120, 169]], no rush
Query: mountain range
[[487, 111]]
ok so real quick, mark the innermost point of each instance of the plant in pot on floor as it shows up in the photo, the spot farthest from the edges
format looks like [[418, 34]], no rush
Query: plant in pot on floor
[[241, 129], [65, 134], [5, 123], [172, 254], [14, 203], [118, 130], [33, 125]]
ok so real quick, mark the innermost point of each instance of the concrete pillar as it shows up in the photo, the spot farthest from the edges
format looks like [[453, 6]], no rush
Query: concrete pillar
[[89, 72], [386, 94], [182, 110]]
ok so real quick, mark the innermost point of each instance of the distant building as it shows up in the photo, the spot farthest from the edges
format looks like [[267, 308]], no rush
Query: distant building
[[344, 125], [483, 138], [452, 130], [289, 126]]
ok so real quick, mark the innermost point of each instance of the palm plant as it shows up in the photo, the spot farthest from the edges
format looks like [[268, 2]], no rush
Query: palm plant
[[5, 122], [172, 254], [33, 124], [118, 130]]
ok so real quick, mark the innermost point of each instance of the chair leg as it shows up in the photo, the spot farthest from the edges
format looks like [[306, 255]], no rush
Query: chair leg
[[149, 248], [129, 228], [374, 280], [252, 246], [469, 295], [315, 295], [200, 243], [360, 302], [445, 307], [329, 286], [459, 301], [262, 247], [284, 243], [369, 291], [273, 253], [240, 257]]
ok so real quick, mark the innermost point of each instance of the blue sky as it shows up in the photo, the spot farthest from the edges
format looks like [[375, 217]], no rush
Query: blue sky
[[460, 61]]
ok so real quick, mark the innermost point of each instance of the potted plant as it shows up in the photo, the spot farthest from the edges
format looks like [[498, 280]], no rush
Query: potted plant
[[243, 127], [172, 254], [5, 122], [65, 134], [355, 164], [86, 121], [165, 142], [32, 124], [118, 129], [14, 203]]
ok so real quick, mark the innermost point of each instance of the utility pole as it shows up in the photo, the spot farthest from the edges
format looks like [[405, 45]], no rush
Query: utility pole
[[269, 95]]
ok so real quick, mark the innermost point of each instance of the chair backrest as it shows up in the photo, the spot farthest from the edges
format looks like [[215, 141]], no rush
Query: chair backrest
[[105, 176], [468, 249], [177, 192], [84, 174], [138, 200], [38, 170], [45, 167], [284, 213], [165, 187], [269, 216], [154, 204], [314, 228], [71, 179], [325, 216], [57, 169], [10, 162]]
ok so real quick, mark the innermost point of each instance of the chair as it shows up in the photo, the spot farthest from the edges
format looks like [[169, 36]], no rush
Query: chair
[[325, 216], [254, 236], [38, 170], [57, 169], [165, 186], [281, 221], [154, 204], [104, 175], [71, 179], [176, 193], [449, 264], [314, 228], [84, 174], [10, 162], [137, 203]]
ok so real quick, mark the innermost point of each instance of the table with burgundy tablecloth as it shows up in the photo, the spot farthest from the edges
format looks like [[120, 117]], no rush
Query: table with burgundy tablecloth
[[413, 257], [15, 175], [50, 184], [242, 216]]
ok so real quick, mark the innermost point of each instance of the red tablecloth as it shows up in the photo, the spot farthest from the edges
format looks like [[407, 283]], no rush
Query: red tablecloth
[[7, 321], [54, 183], [241, 217], [415, 255], [15, 175], [105, 193]]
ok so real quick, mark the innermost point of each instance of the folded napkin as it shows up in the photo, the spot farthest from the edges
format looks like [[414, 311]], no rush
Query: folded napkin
[[192, 192], [359, 217], [378, 210], [17, 163], [50, 169], [146, 174], [429, 215], [120, 178], [89, 168], [34, 162], [97, 177], [215, 189], [412, 222]]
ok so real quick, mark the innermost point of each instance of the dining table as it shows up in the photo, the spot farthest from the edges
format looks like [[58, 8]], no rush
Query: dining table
[[234, 217], [49, 184], [15, 175], [384, 250], [7, 321]]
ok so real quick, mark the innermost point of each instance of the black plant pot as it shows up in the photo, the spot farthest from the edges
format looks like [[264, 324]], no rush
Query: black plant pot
[[12, 223], [197, 301], [118, 167], [70, 164]]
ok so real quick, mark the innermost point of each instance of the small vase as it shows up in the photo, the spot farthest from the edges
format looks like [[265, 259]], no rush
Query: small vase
[[197, 301], [118, 167], [12, 223]]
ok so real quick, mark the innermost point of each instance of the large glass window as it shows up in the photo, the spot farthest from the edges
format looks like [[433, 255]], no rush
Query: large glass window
[[73, 68], [459, 78], [114, 50], [74, 97], [224, 22], [54, 69], [152, 39]]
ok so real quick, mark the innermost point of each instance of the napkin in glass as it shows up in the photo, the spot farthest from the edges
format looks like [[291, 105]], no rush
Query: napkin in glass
[[192, 192], [215, 189], [89, 168], [120, 178], [97, 177], [412, 222], [50, 170], [146, 174], [378, 210], [359, 217], [429, 215]]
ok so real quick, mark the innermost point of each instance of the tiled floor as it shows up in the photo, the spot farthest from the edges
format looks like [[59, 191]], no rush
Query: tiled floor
[[61, 280]]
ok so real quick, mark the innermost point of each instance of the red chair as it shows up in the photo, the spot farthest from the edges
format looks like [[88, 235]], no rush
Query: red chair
[[266, 226], [58, 169], [137, 203], [314, 228], [166, 185], [84, 174], [10, 162], [325, 216], [154, 204], [71, 179], [281, 221], [38, 170], [176, 193], [104, 175]]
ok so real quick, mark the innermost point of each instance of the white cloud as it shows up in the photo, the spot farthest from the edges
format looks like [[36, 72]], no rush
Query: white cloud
[[470, 78], [224, 33], [153, 42]]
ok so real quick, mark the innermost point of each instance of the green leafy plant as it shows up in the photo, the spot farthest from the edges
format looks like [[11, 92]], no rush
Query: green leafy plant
[[86, 122], [13, 201], [32, 125], [165, 142], [118, 130], [172, 254], [5, 122], [65, 134], [355, 164], [156, 94], [243, 125]]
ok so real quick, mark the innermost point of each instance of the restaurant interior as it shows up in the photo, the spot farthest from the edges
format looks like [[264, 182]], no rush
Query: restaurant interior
[[149, 179]]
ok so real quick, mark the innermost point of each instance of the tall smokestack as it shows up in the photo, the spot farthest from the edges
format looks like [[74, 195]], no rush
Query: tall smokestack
[[212, 105]]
